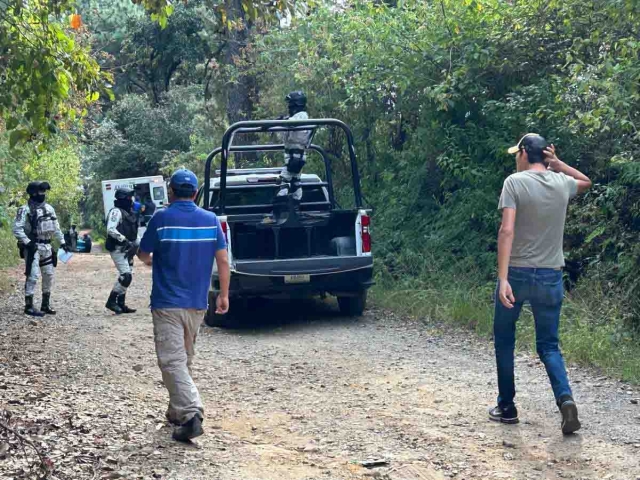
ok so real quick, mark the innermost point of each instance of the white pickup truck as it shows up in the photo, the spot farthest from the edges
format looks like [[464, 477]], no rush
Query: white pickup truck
[[321, 249]]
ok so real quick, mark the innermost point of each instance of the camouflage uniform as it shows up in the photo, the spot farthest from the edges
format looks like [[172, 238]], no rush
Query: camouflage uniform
[[122, 242], [47, 228], [123, 264], [296, 143]]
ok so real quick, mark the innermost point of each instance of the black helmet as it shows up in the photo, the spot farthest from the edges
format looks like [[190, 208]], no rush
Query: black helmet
[[296, 99], [34, 187], [123, 193]]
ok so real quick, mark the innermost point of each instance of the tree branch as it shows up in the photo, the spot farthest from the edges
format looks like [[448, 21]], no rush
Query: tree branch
[[444, 16], [44, 462]]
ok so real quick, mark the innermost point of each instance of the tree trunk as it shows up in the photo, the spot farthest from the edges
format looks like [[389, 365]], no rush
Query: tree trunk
[[241, 91]]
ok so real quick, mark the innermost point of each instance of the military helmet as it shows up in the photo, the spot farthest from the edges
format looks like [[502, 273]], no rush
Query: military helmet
[[34, 187], [296, 99], [123, 193]]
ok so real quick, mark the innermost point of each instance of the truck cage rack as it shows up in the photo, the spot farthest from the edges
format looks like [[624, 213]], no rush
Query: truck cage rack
[[269, 126], [249, 171]]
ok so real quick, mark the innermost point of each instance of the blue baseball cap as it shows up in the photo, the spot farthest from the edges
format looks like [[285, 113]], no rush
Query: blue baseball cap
[[183, 179]]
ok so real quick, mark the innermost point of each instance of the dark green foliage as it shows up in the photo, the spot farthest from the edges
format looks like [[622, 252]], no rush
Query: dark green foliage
[[139, 138], [145, 57], [436, 92], [46, 71]]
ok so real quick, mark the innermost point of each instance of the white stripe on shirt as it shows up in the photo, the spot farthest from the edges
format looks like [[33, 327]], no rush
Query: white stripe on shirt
[[188, 239], [187, 228]]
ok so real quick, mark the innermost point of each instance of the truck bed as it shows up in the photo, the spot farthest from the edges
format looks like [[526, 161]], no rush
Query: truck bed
[[254, 238]]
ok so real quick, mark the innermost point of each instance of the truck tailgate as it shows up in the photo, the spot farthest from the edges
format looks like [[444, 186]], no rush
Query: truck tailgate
[[297, 266]]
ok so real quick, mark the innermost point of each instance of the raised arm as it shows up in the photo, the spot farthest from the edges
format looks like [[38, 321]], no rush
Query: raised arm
[[559, 166]]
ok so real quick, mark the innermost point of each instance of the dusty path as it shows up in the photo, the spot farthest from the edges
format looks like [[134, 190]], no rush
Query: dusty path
[[307, 397]]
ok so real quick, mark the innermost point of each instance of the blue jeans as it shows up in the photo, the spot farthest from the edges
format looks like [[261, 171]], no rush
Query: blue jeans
[[542, 288]]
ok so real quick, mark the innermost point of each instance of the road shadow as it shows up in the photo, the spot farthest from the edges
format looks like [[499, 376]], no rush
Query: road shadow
[[267, 316]]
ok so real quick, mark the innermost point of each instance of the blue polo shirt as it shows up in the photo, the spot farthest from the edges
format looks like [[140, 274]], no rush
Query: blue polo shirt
[[184, 240]]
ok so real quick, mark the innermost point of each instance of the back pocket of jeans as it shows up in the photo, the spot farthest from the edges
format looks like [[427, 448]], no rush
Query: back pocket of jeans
[[550, 279]]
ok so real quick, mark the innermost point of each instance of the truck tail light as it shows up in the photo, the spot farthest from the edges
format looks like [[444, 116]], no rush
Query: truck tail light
[[365, 222], [224, 225]]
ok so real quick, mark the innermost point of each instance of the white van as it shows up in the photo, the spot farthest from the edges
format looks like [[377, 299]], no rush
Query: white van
[[153, 187]]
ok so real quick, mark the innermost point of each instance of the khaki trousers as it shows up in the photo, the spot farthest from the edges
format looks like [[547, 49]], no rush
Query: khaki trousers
[[175, 331]]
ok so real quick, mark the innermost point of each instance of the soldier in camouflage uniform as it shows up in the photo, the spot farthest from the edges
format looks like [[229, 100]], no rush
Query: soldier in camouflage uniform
[[295, 144], [35, 226], [122, 244]]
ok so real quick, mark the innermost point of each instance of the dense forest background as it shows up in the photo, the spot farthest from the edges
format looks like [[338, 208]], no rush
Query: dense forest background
[[435, 91]]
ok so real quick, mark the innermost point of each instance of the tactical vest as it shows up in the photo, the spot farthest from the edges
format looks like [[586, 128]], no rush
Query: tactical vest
[[44, 221], [128, 227]]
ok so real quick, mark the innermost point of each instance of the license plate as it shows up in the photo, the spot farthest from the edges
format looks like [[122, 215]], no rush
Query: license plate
[[297, 278]]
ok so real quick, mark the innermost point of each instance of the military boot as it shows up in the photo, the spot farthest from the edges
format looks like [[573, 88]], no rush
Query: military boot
[[28, 307], [123, 306], [46, 305], [112, 303]]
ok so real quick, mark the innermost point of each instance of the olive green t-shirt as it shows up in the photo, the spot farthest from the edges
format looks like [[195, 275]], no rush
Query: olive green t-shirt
[[540, 200]]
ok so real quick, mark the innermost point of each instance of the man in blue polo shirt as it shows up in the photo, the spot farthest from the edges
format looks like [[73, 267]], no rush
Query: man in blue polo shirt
[[181, 243]]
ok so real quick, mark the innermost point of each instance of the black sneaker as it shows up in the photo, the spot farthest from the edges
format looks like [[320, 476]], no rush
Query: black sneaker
[[508, 415], [191, 429], [570, 422]]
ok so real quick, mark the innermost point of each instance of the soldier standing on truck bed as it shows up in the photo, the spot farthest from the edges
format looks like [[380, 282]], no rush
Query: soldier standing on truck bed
[[122, 244], [295, 144], [35, 226]]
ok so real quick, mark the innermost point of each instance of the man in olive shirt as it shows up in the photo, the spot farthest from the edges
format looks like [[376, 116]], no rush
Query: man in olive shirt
[[530, 259]]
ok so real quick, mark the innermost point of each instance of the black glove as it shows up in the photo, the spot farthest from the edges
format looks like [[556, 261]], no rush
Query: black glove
[[65, 247], [32, 246], [130, 249]]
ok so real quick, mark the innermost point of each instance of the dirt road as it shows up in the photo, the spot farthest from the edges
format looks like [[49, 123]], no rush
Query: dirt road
[[308, 396]]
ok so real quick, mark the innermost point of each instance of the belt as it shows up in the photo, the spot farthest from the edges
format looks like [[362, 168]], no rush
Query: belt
[[44, 242], [295, 151]]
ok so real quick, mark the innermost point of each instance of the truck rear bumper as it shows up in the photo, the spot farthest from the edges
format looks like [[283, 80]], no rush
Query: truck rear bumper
[[300, 277]]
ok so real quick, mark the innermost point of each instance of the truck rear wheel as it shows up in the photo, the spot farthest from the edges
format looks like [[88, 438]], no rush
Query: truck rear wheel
[[353, 306]]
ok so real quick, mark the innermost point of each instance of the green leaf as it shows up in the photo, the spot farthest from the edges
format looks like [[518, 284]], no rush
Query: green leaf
[[596, 233], [12, 123], [18, 135]]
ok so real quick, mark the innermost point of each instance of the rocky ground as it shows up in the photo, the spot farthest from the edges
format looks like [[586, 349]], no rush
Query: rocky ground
[[307, 395]]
